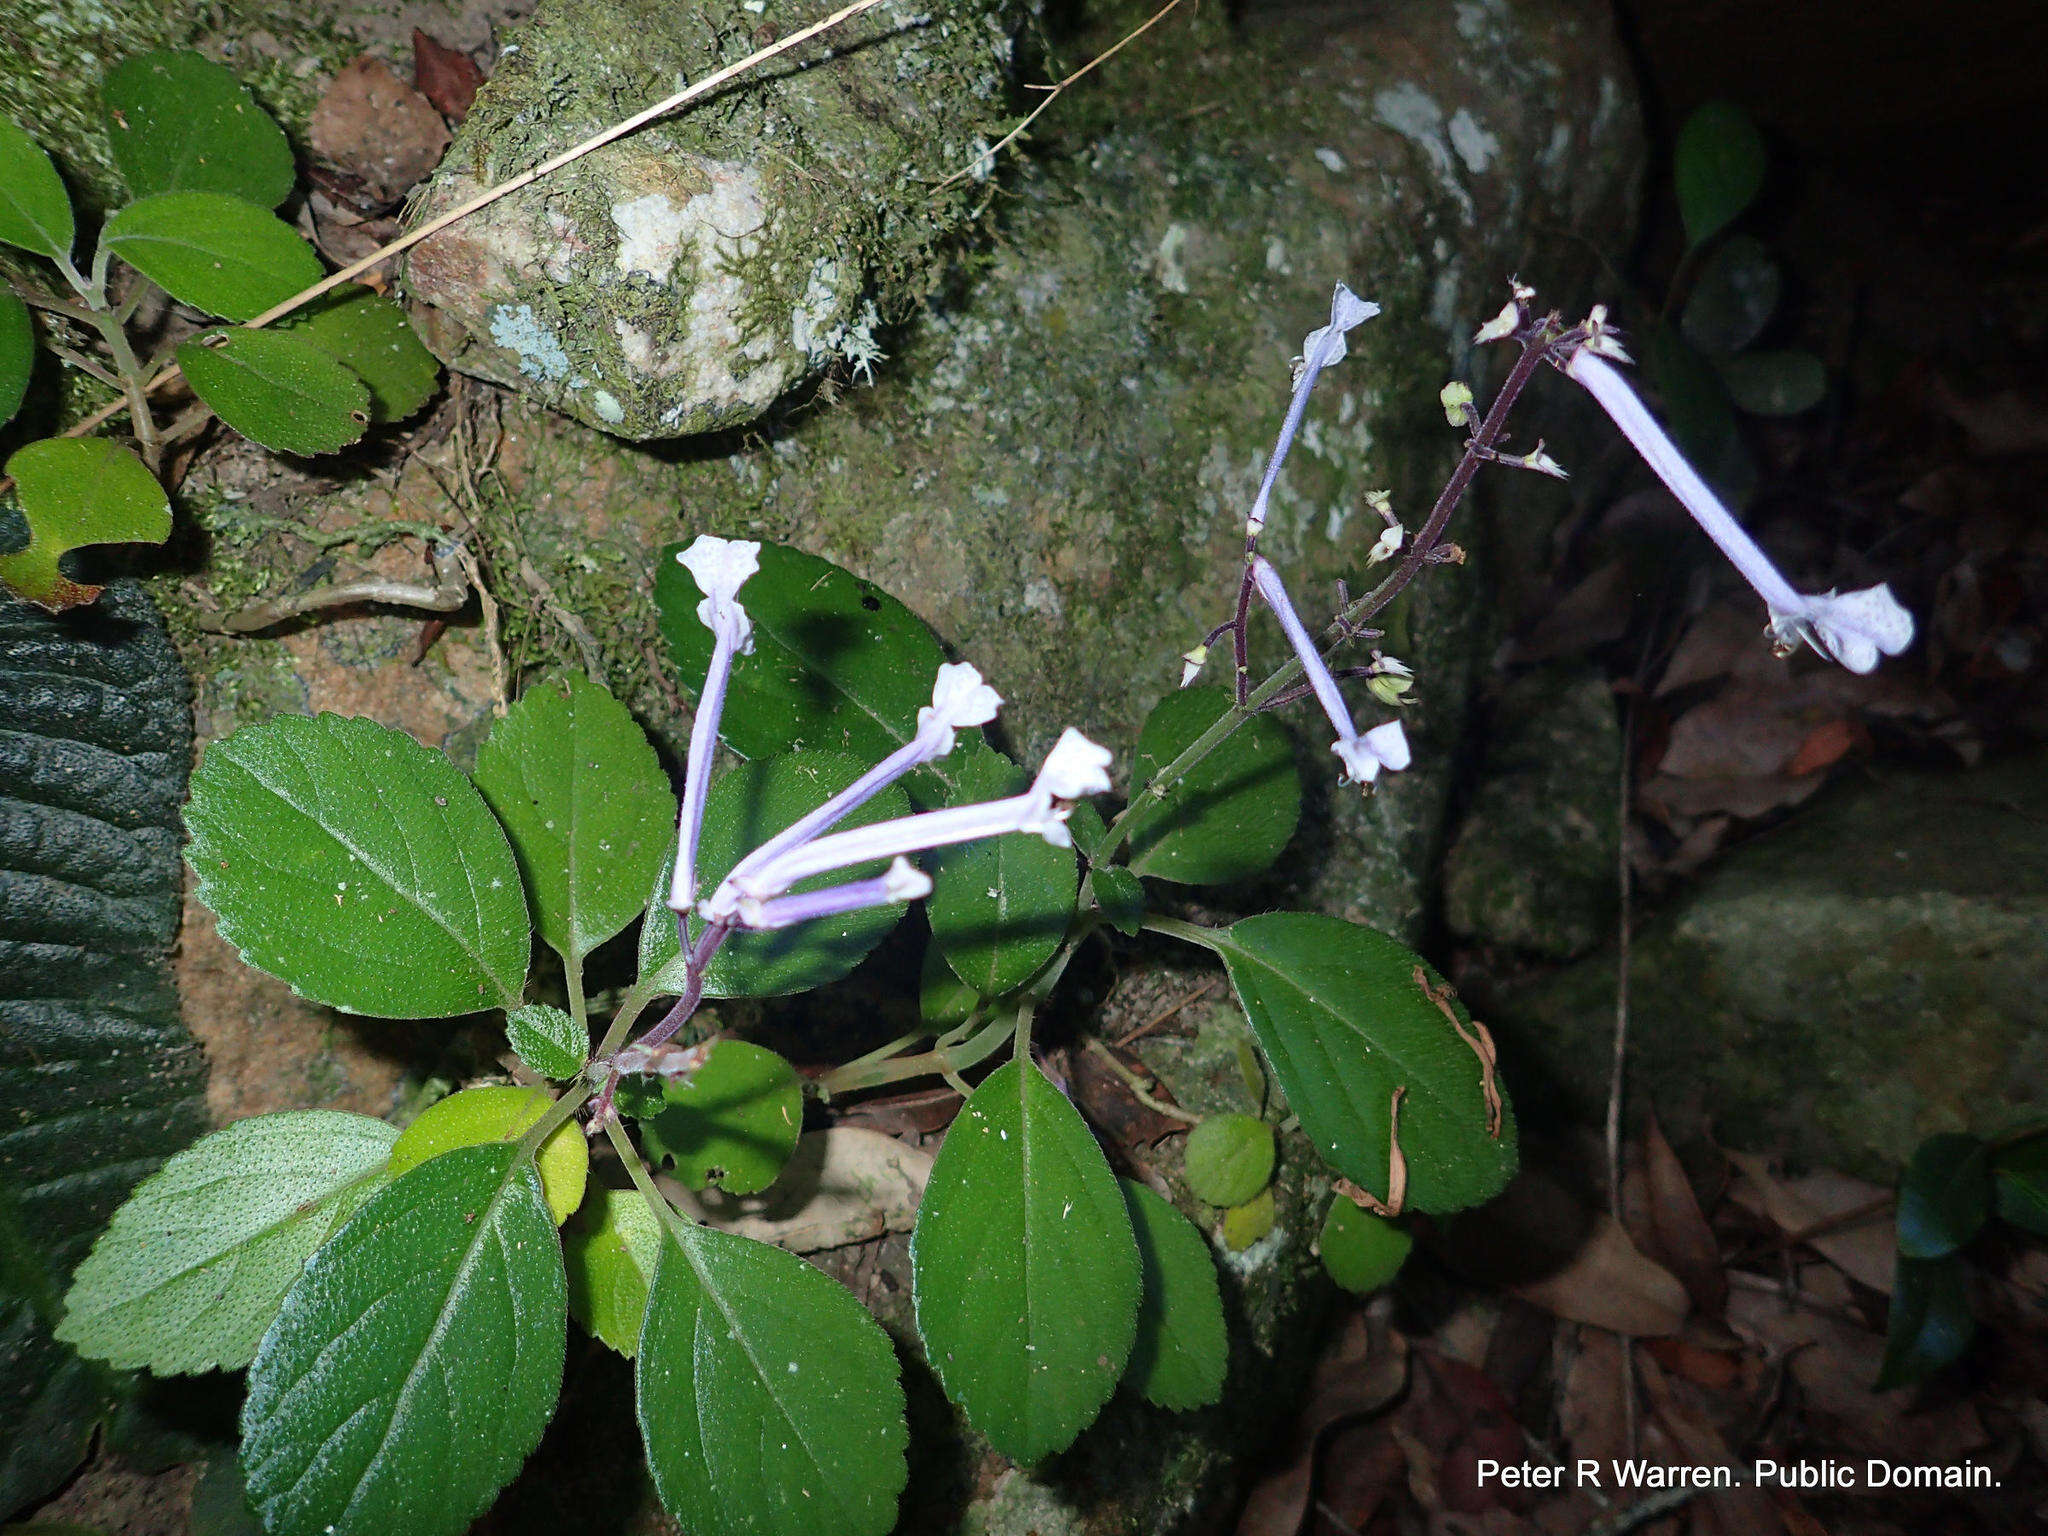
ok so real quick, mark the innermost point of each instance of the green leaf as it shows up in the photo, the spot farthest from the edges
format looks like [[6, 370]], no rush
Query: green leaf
[[416, 1361], [1231, 815], [837, 663], [1244, 1225], [1024, 1267], [1718, 166], [196, 1264], [177, 121], [745, 808], [35, 210], [1182, 1346], [734, 1123], [1775, 383], [1362, 1251], [99, 1080], [17, 354], [350, 861], [943, 999], [1733, 300], [499, 1112], [610, 1249], [999, 907], [369, 335], [1120, 897], [1229, 1159], [1343, 1022], [1931, 1322], [2020, 1182], [277, 389], [583, 798], [1944, 1196], [548, 1040], [212, 251], [767, 1396], [74, 492]]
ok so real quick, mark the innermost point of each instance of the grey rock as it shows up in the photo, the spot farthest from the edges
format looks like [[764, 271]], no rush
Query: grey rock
[[682, 279], [1532, 866], [1871, 973]]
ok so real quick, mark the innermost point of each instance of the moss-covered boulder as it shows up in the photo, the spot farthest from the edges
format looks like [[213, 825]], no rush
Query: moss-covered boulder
[[1872, 973], [680, 280]]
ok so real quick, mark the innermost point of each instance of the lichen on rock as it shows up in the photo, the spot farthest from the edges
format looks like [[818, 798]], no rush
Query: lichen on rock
[[684, 278]]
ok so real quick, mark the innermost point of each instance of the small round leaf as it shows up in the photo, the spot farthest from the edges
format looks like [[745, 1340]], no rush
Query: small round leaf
[[478, 1116], [76, 491], [548, 1040], [177, 121], [1232, 814], [1229, 1159], [277, 389], [1246, 1224], [734, 1123], [1775, 383], [1362, 1251], [1733, 300], [215, 252], [1718, 166]]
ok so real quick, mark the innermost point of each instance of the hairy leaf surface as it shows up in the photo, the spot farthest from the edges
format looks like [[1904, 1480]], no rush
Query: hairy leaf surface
[[1233, 812], [1182, 1347], [213, 251], [177, 121], [277, 389], [35, 210], [77, 491]]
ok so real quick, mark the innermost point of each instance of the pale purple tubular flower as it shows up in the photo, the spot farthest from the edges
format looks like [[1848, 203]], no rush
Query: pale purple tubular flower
[[721, 567], [898, 883], [1075, 767], [1322, 348], [959, 699], [1363, 756], [1852, 628]]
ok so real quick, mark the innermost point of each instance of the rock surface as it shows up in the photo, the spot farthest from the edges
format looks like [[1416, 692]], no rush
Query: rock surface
[[1872, 973], [680, 280]]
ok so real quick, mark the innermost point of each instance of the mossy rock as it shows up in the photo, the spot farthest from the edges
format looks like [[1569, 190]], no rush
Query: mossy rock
[[1867, 975], [682, 279]]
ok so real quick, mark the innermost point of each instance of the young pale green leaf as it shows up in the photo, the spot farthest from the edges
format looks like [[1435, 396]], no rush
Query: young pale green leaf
[[1931, 1322], [745, 808], [2020, 1184], [734, 1123], [76, 491], [35, 210], [499, 1112], [177, 121], [1244, 1225], [1733, 300], [1780, 383], [1025, 1271], [369, 335], [1944, 1197], [768, 1398], [1362, 1251], [999, 907], [1718, 167], [1229, 1159], [548, 1040], [1182, 1346], [215, 252], [17, 354], [1344, 1022], [350, 861], [610, 1249], [837, 662], [277, 389], [1119, 896], [417, 1359], [197, 1262], [1232, 814], [583, 798], [943, 999]]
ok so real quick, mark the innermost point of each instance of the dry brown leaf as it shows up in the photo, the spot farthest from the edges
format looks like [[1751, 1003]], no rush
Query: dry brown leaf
[[1713, 1368], [1668, 798], [1610, 1284], [843, 1185], [446, 76], [1363, 1369], [1724, 639], [1744, 1509], [1827, 744], [1866, 1251], [1592, 613], [1684, 1243], [1592, 1410], [1748, 730], [373, 125]]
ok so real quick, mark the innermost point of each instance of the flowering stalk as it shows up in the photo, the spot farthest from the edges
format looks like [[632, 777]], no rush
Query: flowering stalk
[[1852, 628], [1321, 348]]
